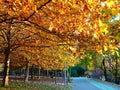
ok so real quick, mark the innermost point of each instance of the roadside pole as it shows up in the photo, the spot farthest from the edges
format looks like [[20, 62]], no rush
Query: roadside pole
[[65, 74]]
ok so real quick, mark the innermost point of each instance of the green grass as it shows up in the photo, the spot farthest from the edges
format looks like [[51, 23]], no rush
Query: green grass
[[33, 86]]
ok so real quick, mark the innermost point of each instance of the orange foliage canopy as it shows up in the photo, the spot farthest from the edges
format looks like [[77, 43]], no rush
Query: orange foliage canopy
[[79, 23]]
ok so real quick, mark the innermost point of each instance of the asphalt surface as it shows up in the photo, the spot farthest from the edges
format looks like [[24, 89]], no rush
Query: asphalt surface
[[90, 84]]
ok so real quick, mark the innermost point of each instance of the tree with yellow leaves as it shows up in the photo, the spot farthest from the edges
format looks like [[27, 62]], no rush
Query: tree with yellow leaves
[[81, 21]]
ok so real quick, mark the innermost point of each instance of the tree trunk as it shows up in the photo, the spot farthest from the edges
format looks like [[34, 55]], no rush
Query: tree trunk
[[27, 72], [47, 71], [104, 69], [6, 68], [116, 77], [116, 72], [39, 73], [32, 72], [55, 76], [7, 60]]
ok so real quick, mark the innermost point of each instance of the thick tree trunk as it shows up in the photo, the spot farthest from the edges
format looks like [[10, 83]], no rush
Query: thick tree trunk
[[7, 59], [6, 68], [27, 72], [104, 69]]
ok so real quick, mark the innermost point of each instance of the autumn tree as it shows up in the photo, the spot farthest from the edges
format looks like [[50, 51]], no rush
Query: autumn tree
[[79, 23], [11, 14]]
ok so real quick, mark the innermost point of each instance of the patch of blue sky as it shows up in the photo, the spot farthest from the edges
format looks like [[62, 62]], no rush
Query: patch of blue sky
[[116, 18]]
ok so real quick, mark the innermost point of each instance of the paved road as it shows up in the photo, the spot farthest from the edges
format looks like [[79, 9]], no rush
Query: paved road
[[90, 84]]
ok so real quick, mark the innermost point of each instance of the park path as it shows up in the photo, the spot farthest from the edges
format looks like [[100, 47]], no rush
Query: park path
[[90, 84]]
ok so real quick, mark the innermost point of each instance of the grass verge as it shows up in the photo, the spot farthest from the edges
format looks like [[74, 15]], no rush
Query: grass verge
[[33, 86]]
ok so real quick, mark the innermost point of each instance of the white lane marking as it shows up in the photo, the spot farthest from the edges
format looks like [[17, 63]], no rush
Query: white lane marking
[[100, 85]]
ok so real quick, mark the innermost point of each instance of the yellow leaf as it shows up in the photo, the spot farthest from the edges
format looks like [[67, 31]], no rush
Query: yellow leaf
[[106, 31], [105, 48], [31, 1], [35, 8], [99, 51], [95, 36], [19, 2], [61, 11], [60, 0], [90, 1], [110, 3], [53, 0], [101, 23], [117, 53], [114, 12], [103, 27], [11, 13]]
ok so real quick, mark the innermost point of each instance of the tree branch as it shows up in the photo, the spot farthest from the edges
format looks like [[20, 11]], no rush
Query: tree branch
[[37, 9]]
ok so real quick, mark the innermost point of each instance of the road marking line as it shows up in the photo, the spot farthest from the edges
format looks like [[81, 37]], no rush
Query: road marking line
[[100, 85]]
